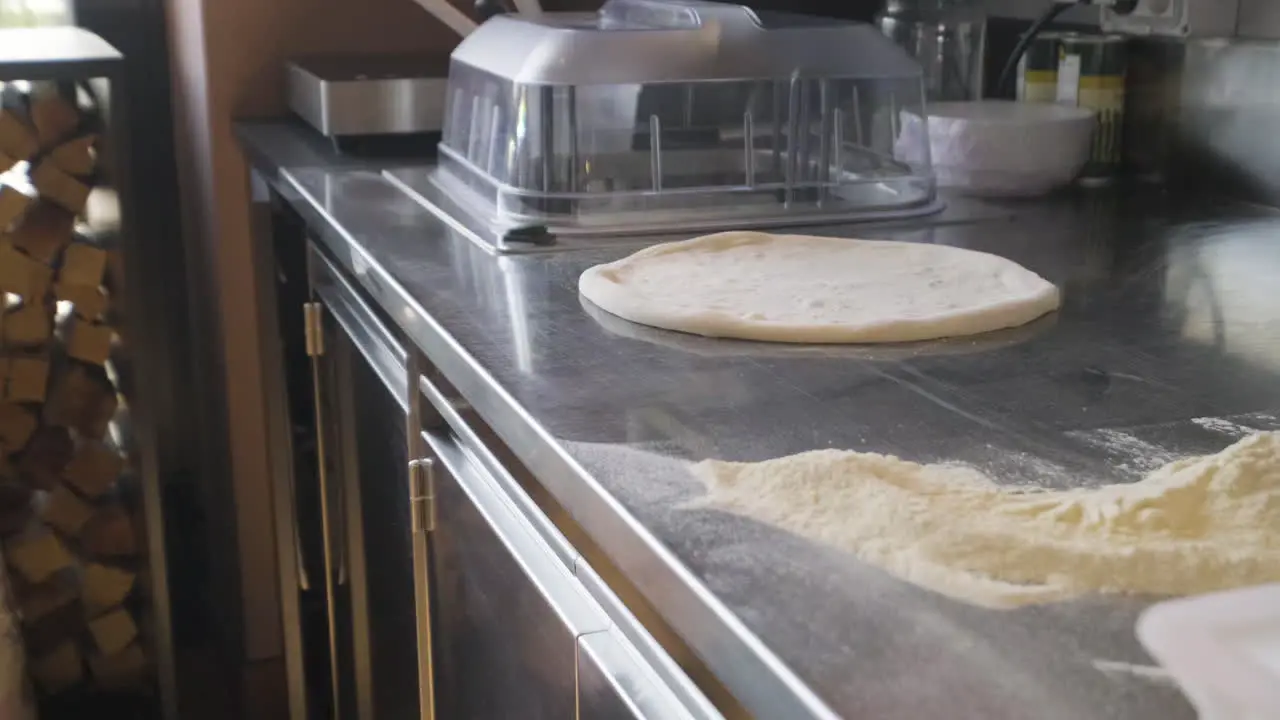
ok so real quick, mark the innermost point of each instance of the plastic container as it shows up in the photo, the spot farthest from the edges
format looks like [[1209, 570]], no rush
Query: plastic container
[[1223, 649], [1000, 148], [947, 37], [656, 113]]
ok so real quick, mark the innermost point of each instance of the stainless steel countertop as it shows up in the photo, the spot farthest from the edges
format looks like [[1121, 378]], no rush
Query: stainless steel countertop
[[1168, 344]]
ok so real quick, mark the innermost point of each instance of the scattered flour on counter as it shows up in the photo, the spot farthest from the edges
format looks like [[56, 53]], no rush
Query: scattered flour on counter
[[1222, 425], [1137, 454], [1239, 425], [1195, 525]]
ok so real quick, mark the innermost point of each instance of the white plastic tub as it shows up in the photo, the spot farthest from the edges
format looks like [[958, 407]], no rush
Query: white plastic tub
[[1000, 148], [1223, 649]]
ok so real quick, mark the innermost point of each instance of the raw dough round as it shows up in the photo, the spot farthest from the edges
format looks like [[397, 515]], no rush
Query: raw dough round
[[804, 289]]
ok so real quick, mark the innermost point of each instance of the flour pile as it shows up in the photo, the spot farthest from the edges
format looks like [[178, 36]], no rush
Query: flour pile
[[1195, 525]]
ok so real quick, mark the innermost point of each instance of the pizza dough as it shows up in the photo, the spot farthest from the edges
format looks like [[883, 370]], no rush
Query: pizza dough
[[1193, 526], [803, 289]]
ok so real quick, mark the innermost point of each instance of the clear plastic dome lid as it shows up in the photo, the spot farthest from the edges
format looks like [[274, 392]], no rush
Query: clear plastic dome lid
[[665, 113]]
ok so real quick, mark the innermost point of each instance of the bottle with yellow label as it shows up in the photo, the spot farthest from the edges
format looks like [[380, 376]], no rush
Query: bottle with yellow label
[[1038, 70], [1091, 74]]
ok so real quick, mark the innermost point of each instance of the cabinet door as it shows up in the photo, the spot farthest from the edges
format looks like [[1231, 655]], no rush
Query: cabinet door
[[507, 612], [364, 401]]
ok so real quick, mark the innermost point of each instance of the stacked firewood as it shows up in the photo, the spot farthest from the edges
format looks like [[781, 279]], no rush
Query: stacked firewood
[[69, 539]]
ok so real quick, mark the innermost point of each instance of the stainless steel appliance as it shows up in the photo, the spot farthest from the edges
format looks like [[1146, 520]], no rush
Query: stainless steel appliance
[[362, 95]]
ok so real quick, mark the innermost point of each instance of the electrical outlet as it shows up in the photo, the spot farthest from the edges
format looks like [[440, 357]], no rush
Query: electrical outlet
[[1175, 18]]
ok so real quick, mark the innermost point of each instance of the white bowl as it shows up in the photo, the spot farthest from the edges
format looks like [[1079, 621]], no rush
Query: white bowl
[[1000, 147]]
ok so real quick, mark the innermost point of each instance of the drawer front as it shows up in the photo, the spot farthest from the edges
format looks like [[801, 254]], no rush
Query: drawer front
[[506, 612]]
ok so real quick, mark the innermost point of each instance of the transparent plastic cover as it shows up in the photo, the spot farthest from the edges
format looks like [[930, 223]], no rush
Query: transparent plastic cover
[[653, 113]]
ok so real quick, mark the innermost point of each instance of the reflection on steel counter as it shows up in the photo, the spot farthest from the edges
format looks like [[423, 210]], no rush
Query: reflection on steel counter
[[1138, 352]]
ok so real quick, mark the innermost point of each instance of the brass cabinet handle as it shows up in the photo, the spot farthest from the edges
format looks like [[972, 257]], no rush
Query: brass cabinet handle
[[422, 495], [312, 314], [422, 491]]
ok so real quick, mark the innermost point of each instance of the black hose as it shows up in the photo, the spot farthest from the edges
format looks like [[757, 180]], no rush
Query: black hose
[[1024, 42]]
